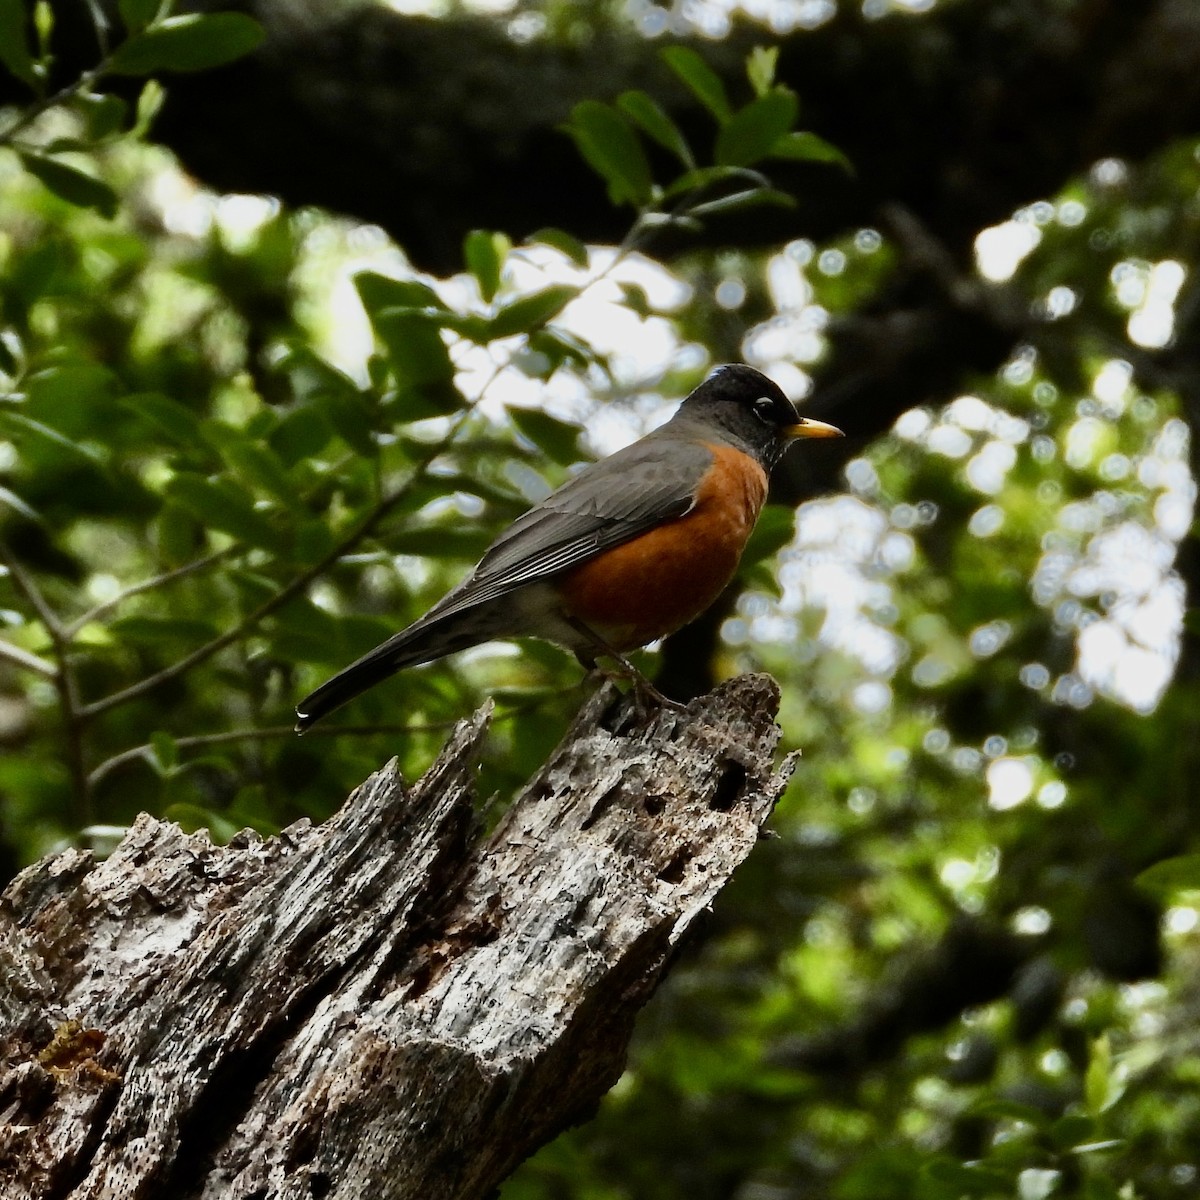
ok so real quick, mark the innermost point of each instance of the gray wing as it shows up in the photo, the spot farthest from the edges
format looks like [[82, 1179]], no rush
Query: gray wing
[[607, 503]]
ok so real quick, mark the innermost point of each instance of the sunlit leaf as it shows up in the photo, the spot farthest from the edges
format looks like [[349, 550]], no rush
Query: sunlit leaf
[[485, 253], [415, 349], [760, 68], [1181, 873], [532, 311], [1102, 1084], [563, 242]]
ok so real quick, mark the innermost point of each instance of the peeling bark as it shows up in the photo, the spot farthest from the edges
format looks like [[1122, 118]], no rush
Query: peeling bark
[[391, 1004]]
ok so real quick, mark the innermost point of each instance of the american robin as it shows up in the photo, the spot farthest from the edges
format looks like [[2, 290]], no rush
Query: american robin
[[629, 550]]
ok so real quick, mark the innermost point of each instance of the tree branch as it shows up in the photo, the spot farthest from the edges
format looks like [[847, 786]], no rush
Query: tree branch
[[26, 661]]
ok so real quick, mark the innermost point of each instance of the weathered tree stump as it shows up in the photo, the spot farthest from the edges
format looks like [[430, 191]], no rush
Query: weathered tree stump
[[387, 1005]]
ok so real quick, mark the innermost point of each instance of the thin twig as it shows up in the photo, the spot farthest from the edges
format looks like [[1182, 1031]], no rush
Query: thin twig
[[94, 614], [73, 714], [196, 741], [30, 590], [27, 116], [30, 662]]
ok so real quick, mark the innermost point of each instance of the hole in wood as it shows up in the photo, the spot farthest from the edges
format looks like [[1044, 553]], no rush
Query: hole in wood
[[673, 871], [729, 786]]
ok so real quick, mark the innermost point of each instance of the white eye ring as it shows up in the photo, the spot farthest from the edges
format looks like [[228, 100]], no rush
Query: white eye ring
[[764, 409]]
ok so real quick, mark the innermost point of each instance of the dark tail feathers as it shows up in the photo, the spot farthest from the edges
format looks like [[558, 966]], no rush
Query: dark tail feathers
[[418, 644]]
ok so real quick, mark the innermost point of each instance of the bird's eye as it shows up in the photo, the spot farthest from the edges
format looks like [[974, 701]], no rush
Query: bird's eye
[[764, 409]]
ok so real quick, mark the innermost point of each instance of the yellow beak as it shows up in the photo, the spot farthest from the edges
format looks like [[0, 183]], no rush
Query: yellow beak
[[808, 428]]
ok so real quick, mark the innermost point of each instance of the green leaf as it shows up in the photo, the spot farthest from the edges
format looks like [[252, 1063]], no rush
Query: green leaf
[[1180, 873], [175, 420], [416, 353], [302, 433], [1102, 1085], [259, 465], [137, 14], [700, 79], [611, 148], [484, 254], [564, 243], [103, 115], [559, 346], [751, 134], [634, 297], [178, 535], [194, 42], [559, 440], [802, 146], [221, 504], [1073, 1129], [57, 442], [70, 184], [533, 311], [650, 118], [313, 541], [43, 26], [352, 417], [70, 395], [14, 42], [149, 103], [760, 68]]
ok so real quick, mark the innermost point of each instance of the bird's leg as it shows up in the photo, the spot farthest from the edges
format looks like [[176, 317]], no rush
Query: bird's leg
[[642, 686]]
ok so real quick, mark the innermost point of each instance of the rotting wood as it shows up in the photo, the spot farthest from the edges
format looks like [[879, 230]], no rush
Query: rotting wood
[[385, 1005]]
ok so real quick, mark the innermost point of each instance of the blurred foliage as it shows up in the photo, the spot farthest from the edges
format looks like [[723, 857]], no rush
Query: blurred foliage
[[951, 973]]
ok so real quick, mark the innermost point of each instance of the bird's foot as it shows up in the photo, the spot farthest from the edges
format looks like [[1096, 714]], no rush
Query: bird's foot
[[646, 697]]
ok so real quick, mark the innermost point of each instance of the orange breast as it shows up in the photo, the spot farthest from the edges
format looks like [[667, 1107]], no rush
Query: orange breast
[[660, 581]]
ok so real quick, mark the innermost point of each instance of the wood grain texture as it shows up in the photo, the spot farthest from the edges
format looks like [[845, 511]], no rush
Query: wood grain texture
[[390, 1004]]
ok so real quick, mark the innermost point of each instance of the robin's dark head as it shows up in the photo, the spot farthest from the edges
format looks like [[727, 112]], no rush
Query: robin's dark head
[[744, 407]]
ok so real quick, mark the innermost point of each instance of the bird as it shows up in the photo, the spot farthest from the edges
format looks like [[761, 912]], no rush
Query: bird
[[627, 551]]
